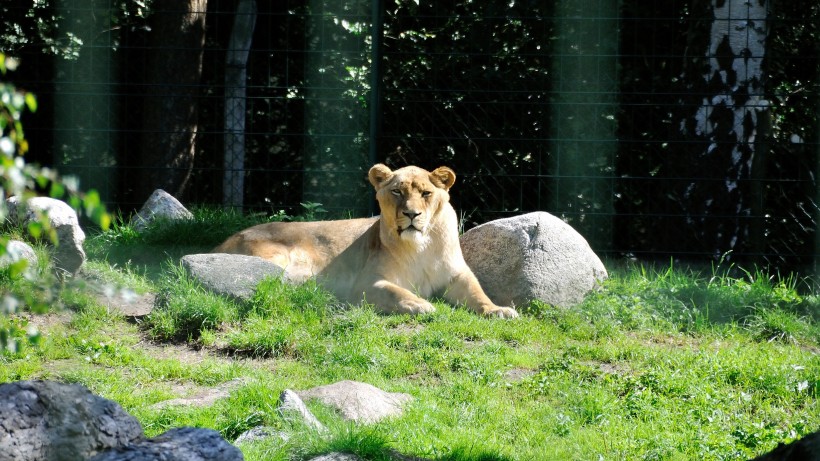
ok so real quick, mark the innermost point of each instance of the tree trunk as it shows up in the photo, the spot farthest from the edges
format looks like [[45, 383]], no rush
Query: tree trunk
[[236, 62], [174, 68], [727, 122]]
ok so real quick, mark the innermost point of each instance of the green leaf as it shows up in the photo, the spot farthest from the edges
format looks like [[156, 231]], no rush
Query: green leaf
[[31, 102], [57, 190], [17, 268], [35, 229]]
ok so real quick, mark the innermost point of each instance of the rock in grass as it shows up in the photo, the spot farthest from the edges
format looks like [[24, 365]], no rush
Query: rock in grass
[[181, 444], [234, 276], [535, 256], [360, 402], [50, 421], [43, 420], [17, 251], [69, 254], [160, 204], [291, 406]]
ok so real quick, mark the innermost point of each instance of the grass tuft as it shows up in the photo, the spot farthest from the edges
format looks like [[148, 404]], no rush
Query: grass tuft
[[184, 310]]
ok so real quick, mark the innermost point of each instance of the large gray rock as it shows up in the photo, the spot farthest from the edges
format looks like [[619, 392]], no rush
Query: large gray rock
[[234, 276], [360, 402], [160, 204], [69, 255], [535, 256], [182, 444], [48, 421]]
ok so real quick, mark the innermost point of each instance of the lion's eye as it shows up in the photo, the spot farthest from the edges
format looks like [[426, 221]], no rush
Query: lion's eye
[[396, 192], [426, 193]]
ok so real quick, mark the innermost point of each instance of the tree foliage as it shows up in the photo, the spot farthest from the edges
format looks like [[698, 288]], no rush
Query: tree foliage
[[474, 85], [42, 25], [27, 287]]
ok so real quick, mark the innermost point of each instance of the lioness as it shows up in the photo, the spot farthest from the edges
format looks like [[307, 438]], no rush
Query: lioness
[[392, 261]]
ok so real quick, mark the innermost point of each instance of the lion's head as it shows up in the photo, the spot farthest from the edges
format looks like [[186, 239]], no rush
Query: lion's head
[[411, 199]]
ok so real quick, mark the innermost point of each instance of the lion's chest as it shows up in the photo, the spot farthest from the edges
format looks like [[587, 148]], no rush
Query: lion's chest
[[426, 273]]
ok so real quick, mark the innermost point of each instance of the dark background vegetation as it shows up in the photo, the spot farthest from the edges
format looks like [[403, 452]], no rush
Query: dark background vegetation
[[483, 87]]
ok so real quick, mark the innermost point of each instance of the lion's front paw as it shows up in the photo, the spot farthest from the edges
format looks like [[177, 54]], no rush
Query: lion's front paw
[[502, 312], [416, 306]]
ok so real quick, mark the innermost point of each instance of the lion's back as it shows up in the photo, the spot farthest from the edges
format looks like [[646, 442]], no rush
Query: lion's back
[[310, 239]]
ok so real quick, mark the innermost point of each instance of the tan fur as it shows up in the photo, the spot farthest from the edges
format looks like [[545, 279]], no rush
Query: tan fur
[[393, 261]]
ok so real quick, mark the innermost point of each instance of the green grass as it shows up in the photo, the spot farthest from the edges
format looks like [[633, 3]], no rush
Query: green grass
[[663, 363]]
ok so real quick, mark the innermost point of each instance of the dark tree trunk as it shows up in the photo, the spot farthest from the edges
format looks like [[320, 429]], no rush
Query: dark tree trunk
[[174, 70]]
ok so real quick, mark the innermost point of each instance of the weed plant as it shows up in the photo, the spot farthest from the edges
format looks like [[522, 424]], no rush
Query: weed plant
[[661, 363]]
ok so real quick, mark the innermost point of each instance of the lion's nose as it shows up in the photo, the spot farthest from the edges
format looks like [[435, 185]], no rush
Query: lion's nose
[[410, 214]]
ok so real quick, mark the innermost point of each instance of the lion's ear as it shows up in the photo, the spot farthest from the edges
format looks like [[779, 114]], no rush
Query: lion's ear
[[443, 177], [379, 174]]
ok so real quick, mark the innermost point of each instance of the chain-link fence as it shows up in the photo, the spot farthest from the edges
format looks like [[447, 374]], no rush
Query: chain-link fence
[[678, 128]]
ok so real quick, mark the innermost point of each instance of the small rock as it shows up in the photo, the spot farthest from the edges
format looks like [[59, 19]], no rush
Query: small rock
[[160, 205], [16, 251], [234, 276], [290, 405], [360, 402]]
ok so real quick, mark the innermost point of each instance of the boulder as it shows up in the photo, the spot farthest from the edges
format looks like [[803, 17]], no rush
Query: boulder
[[360, 402], [69, 255], [535, 256], [181, 444], [42, 420], [234, 276], [160, 204], [49, 421]]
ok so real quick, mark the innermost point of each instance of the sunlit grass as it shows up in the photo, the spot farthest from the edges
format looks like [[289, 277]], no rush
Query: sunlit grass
[[662, 363]]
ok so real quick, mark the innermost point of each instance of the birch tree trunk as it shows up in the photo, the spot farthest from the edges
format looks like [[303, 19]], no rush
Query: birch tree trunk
[[236, 63], [727, 122]]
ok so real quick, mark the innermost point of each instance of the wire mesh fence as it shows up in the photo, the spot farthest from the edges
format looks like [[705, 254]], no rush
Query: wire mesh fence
[[685, 128]]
